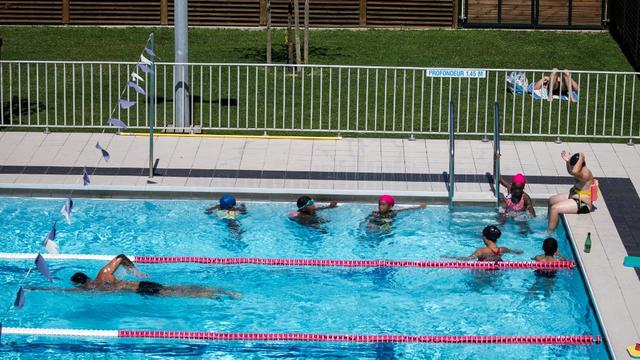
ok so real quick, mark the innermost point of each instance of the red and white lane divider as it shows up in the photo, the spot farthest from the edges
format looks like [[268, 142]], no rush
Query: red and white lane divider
[[434, 264], [206, 335]]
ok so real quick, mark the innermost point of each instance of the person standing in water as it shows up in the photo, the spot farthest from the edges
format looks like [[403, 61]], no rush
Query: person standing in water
[[491, 251], [106, 281], [578, 199], [307, 212], [383, 217]]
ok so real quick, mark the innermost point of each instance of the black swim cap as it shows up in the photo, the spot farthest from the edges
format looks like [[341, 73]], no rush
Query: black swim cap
[[302, 201], [550, 246], [492, 233], [79, 278], [574, 159]]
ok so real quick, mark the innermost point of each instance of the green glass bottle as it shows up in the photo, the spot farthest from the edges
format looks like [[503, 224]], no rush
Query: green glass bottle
[[587, 243]]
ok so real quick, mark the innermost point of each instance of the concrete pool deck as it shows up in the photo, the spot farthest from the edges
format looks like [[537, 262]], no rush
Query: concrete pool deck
[[353, 168]]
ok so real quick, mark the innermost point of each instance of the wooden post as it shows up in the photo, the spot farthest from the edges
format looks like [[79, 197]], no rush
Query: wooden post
[[164, 12], [263, 12], [65, 12], [269, 40], [363, 13], [296, 30], [306, 31], [454, 20]]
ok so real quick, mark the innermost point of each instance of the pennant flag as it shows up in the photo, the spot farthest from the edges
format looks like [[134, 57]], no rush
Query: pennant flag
[[49, 244], [150, 52], [125, 104], [144, 60], [136, 87], [19, 303], [144, 67], [66, 210], [136, 77], [43, 267], [117, 123], [105, 154], [85, 177]]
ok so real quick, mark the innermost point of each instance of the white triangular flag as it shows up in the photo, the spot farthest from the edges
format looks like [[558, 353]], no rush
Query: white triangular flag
[[136, 77], [144, 60]]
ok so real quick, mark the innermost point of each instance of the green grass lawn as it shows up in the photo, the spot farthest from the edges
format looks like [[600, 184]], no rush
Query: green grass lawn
[[257, 106], [433, 48]]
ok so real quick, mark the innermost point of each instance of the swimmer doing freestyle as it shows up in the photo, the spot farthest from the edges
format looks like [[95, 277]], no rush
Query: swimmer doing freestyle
[[106, 281]]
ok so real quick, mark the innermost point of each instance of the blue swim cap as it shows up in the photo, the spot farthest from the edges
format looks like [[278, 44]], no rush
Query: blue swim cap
[[227, 202]]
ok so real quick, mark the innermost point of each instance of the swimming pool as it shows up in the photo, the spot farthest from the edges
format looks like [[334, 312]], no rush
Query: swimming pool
[[289, 299]]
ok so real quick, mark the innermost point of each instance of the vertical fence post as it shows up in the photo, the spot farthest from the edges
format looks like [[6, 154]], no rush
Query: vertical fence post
[[65, 12], [452, 151], [363, 13], [152, 98], [496, 152]]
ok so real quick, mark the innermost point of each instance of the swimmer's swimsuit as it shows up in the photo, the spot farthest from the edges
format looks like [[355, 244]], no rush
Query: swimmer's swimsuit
[[382, 220], [546, 273], [510, 206], [583, 208], [494, 257], [148, 288], [227, 214]]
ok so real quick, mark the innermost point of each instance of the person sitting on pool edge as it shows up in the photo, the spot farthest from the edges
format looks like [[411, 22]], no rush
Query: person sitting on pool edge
[[227, 211], [107, 282], [551, 254], [306, 213], [490, 252], [382, 218], [578, 199]]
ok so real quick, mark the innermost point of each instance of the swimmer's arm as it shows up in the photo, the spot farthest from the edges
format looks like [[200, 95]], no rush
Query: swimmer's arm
[[503, 181], [421, 206], [242, 209], [331, 205], [35, 288], [106, 273], [473, 256], [211, 209], [529, 205]]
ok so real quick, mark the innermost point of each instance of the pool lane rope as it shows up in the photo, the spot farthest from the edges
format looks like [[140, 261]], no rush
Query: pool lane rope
[[435, 264], [345, 338]]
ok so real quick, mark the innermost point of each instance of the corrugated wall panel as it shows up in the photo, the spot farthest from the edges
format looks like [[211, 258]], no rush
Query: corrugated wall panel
[[410, 13], [114, 12], [31, 12]]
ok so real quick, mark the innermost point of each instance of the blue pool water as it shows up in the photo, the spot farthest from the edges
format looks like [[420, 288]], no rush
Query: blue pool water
[[288, 299]]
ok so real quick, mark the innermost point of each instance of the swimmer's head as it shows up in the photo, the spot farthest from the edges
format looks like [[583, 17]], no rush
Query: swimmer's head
[[519, 179], [550, 246], [306, 204], [491, 233], [79, 278], [385, 203], [517, 185], [574, 159], [227, 202]]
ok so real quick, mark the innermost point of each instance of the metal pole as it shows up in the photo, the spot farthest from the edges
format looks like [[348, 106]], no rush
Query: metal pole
[[496, 151], [152, 98], [182, 92], [452, 152]]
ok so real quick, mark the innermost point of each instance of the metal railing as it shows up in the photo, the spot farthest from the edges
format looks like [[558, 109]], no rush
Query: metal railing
[[319, 98]]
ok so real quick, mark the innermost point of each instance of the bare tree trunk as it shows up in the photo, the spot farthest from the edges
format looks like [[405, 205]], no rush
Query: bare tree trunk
[[296, 25], [306, 31], [269, 40], [290, 33]]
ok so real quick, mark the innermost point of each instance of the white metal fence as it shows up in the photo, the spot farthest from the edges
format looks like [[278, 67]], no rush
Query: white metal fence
[[318, 98]]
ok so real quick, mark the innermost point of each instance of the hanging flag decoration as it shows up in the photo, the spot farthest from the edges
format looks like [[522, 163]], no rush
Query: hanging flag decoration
[[49, 243], [19, 302], [85, 177], [117, 123], [136, 77], [144, 60], [66, 210], [145, 68], [105, 154], [125, 104], [150, 52], [136, 87], [43, 267]]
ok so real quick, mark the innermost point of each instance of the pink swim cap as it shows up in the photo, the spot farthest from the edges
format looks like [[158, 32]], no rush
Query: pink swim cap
[[519, 179], [388, 199]]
